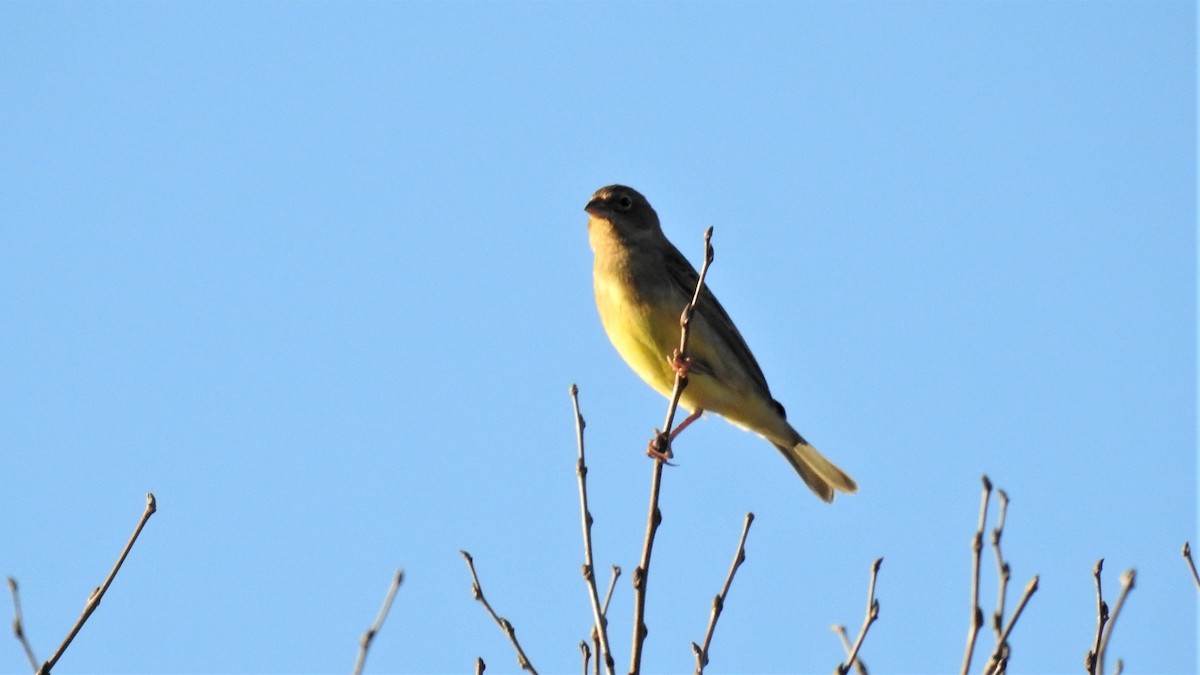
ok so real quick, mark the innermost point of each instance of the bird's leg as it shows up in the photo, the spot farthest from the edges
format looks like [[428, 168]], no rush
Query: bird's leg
[[660, 445], [684, 424]]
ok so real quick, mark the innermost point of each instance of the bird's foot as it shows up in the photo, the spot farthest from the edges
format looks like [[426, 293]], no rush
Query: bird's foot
[[680, 363], [660, 448]]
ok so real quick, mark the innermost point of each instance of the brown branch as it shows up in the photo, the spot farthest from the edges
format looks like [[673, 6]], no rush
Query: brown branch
[[480, 666], [1127, 580], [369, 636], [19, 626], [505, 625], [612, 582], [998, 662], [587, 655], [1092, 659], [1004, 572], [719, 600], [600, 626], [662, 443], [841, 633], [97, 595], [1187, 555], [872, 615], [616, 574], [976, 551]]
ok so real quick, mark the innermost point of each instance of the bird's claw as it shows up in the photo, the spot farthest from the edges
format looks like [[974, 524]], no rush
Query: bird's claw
[[680, 363], [659, 448]]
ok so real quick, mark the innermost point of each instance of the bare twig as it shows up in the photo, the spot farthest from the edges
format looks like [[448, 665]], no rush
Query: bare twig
[[1187, 555], [616, 574], [998, 662], [841, 632], [1004, 572], [369, 636], [93, 600], [719, 600], [641, 574], [505, 625], [587, 654], [1092, 659], [480, 666], [589, 576], [1127, 580], [19, 626], [872, 615], [976, 552]]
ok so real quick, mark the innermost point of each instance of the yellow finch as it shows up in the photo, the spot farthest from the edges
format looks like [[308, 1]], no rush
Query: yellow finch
[[642, 284]]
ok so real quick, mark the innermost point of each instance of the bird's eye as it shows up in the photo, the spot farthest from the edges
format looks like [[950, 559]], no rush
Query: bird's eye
[[625, 203]]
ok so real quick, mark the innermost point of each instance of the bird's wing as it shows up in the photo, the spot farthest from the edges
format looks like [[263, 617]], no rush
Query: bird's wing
[[684, 276]]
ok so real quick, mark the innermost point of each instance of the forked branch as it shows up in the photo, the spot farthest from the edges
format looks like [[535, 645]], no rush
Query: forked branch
[[872, 615]]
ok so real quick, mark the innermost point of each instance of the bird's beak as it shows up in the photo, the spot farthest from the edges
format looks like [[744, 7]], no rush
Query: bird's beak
[[596, 207]]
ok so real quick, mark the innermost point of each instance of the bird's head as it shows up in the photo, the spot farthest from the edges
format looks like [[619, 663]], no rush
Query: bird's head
[[623, 213]]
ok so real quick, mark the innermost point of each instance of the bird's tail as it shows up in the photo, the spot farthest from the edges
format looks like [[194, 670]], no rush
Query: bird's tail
[[818, 473]]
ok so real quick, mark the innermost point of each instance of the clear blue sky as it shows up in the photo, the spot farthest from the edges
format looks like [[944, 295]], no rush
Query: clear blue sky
[[317, 275]]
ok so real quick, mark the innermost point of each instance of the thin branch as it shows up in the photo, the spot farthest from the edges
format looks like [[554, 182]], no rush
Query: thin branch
[[616, 574], [641, 574], [587, 655], [719, 601], [97, 595], [841, 633], [998, 662], [872, 615], [480, 666], [1127, 580], [976, 552], [369, 636], [19, 626], [1092, 659], [505, 625], [1004, 572], [1187, 555], [589, 576]]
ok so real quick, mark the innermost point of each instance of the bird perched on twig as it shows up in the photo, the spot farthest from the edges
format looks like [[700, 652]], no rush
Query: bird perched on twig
[[642, 282]]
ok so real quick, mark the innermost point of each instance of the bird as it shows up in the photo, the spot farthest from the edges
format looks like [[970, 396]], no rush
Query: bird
[[642, 283]]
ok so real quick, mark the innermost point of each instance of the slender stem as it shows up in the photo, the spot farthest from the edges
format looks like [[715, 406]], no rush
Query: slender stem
[[1101, 619], [718, 604], [97, 595], [996, 663], [589, 576], [1127, 580], [1187, 555], [976, 552], [480, 666], [369, 636], [587, 655], [612, 583], [841, 633], [19, 625], [641, 574], [505, 625], [1003, 571], [872, 615]]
